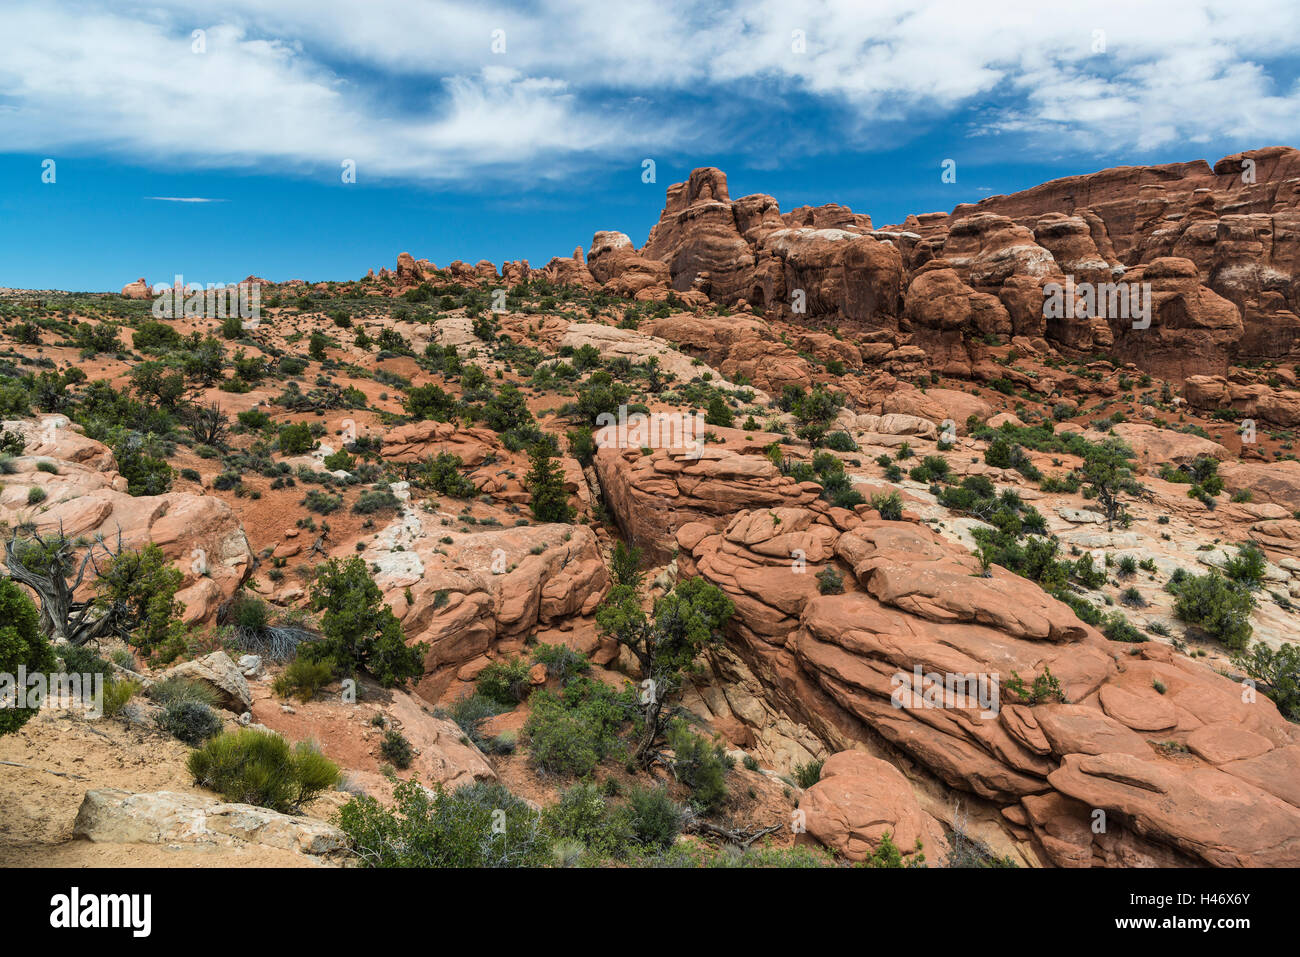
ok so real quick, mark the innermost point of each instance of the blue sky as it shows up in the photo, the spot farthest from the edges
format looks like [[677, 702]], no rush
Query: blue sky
[[505, 131]]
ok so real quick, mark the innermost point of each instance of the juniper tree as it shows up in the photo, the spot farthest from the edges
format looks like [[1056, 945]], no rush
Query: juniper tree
[[687, 620], [545, 481]]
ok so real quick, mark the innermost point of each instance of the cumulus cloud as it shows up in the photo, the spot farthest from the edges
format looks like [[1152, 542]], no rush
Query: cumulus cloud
[[459, 90]]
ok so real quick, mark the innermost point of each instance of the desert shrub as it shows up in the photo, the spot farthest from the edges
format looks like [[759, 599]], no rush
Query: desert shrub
[[83, 660], [396, 749], [177, 690], [258, 767], [573, 731], [719, 413], [430, 402], [302, 678], [441, 473], [155, 337], [601, 393], [507, 411], [586, 816], [815, 411], [296, 439], [889, 506], [140, 588], [445, 828], [625, 565], [192, 722], [504, 682], [1247, 567], [1116, 627], [1215, 605], [1045, 687], [316, 346], [562, 662], [887, 854], [145, 473], [340, 461], [117, 692], [830, 581], [1004, 454], [22, 645], [700, 764], [322, 503], [376, 500], [35, 495], [806, 775], [656, 818], [469, 712], [1278, 672], [840, 442], [248, 611]]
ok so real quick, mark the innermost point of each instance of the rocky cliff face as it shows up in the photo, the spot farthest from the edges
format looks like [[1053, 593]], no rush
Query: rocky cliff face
[[1218, 246]]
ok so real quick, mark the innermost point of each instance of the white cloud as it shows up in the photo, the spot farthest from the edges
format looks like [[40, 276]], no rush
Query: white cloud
[[413, 89]]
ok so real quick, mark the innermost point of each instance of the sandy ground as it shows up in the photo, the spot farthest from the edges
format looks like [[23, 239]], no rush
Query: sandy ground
[[38, 806]]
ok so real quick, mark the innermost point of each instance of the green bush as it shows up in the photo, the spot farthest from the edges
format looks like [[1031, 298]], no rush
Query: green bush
[[22, 645], [562, 662], [303, 678], [889, 506], [1278, 672], [583, 814], [192, 722], [719, 413], [430, 402], [359, 629], [1215, 605], [145, 474], [1046, 687], [117, 692], [296, 439], [572, 732], [177, 690], [840, 442], [259, 767], [442, 474], [469, 712], [656, 818], [505, 682], [340, 461], [887, 854], [1247, 567], [545, 482], [830, 581], [701, 765], [140, 588], [376, 500], [396, 749], [446, 828], [806, 775]]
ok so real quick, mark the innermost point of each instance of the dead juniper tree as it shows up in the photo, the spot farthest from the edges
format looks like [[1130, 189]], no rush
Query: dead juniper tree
[[52, 568], [208, 424]]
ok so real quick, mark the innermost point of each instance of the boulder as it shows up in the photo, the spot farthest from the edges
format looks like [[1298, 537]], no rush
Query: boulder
[[110, 815]]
